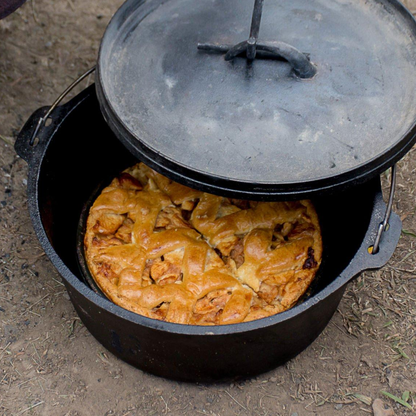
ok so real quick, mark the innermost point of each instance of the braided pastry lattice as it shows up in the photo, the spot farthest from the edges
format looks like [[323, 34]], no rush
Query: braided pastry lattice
[[169, 252]]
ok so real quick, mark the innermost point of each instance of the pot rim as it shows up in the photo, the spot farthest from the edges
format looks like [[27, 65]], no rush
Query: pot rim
[[362, 260]]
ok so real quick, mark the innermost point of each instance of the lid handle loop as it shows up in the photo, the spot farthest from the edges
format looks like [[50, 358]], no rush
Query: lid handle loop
[[299, 61]]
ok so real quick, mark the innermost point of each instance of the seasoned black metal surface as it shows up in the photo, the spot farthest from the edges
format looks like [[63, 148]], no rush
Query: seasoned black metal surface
[[9, 6], [240, 128], [78, 132]]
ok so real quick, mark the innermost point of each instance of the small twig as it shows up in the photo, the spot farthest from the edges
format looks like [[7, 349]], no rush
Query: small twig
[[5, 347], [4, 350], [30, 307], [30, 408], [36, 351], [6, 140], [245, 408], [40, 385], [406, 256], [27, 381], [34, 12], [397, 269], [1, 381], [57, 281], [166, 405]]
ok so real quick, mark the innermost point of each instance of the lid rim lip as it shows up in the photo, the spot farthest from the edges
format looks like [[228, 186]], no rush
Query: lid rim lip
[[245, 189]]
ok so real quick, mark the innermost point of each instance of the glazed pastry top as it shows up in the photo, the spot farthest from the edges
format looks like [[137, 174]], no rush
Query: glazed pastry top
[[169, 252]]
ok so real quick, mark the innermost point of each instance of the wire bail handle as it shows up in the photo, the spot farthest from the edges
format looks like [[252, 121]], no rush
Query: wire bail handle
[[383, 226], [43, 119]]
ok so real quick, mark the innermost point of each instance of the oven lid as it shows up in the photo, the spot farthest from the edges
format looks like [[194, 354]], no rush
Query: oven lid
[[271, 127]]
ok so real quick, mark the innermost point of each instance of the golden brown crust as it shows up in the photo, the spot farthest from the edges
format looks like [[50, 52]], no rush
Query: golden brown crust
[[169, 252]]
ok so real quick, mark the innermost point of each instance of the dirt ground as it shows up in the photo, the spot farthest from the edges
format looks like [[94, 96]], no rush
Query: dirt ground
[[51, 365]]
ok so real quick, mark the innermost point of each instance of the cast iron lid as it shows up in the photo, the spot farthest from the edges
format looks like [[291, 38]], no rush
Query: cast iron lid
[[262, 129]]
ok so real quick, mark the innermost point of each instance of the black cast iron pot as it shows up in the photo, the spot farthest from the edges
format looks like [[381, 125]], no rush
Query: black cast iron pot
[[9, 6], [77, 150]]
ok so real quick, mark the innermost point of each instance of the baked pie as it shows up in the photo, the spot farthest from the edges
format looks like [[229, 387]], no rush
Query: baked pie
[[176, 254]]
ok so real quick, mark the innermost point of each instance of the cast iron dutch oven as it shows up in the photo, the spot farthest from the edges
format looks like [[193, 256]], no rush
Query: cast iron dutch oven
[[160, 100]]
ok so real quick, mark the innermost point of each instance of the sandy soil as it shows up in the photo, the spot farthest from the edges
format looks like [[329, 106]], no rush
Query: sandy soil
[[51, 365]]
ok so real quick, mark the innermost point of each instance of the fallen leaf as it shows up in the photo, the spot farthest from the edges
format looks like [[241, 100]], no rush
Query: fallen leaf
[[396, 399], [406, 232], [406, 396], [365, 399]]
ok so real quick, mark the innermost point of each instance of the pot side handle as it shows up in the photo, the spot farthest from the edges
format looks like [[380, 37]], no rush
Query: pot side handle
[[23, 145], [364, 259]]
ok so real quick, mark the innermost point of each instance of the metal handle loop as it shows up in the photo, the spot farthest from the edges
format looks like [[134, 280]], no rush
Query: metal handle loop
[[383, 225], [299, 61], [43, 119]]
